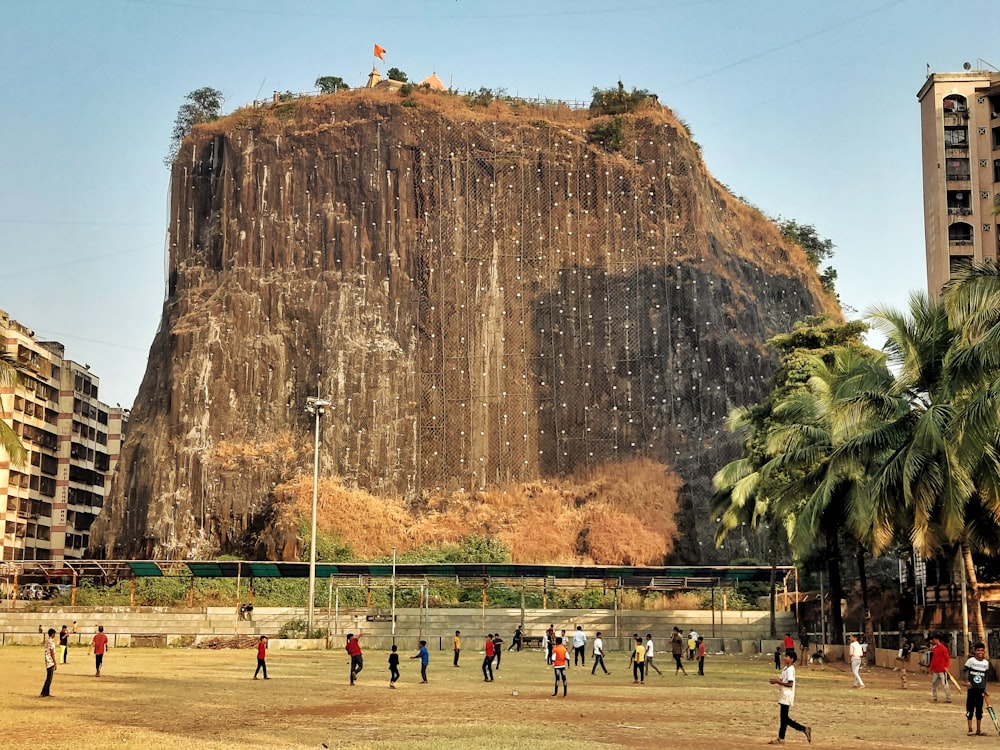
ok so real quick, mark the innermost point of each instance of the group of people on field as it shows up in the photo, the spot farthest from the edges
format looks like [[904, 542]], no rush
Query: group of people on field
[[55, 654]]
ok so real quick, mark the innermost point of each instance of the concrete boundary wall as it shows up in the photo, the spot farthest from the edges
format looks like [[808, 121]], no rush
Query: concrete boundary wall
[[731, 631]]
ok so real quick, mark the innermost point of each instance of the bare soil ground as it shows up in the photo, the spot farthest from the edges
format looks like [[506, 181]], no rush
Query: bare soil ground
[[174, 699]]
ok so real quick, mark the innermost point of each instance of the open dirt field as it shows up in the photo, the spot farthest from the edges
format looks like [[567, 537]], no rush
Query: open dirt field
[[174, 699]]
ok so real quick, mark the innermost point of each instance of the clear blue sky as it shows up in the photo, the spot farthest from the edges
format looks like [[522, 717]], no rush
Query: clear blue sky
[[807, 109]]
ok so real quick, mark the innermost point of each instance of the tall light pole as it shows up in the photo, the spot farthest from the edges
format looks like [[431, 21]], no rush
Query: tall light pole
[[315, 406]]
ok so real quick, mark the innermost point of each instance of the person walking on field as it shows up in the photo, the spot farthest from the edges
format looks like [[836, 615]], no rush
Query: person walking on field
[[488, 659], [425, 659], [353, 648], [975, 671], [599, 654], [939, 668], [677, 650], [579, 647], [786, 699], [457, 640], [856, 653], [393, 667], [650, 653], [560, 660], [50, 662], [261, 657], [98, 646], [550, 642]]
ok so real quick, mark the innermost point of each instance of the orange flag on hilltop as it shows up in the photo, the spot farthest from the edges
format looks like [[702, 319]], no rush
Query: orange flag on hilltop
[[379, 51]]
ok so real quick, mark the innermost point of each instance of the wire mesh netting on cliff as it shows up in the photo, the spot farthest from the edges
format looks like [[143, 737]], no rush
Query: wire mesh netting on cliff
[[502, 301], [600, 308]]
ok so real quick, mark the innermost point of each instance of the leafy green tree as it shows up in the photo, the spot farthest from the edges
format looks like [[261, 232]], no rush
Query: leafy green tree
[[201, 105], [618, 101], [940, 465], [395, 74], [331, 84], [817, 249], [786, 441], [10, 443]]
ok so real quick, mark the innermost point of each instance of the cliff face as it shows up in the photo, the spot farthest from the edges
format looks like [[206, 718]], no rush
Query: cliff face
[[484, 297]]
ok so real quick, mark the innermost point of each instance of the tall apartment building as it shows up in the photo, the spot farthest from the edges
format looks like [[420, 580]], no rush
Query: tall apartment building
[[960, 134], [73, 442]]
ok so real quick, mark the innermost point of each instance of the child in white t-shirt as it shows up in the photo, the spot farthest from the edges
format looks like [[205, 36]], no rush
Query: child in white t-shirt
[[786, 698]]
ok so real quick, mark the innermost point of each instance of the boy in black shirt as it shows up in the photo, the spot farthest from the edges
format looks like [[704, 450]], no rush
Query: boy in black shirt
[[393, 668]]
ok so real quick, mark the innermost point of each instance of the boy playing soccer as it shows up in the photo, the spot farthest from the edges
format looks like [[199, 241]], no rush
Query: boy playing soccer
[[424, 660]]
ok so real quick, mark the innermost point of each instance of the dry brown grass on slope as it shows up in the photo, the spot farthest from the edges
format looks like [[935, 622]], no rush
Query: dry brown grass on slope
[[614, 514]]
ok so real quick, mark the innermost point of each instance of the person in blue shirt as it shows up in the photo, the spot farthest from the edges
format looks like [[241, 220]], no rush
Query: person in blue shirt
[[425, 659]]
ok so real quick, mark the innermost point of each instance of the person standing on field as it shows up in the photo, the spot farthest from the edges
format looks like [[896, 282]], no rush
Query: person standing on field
[[457, 640], [677, 650], [497, 648], [975, 671], [490, 650], [599, 654], [261, 657], [638, 662], [786, 699], [425, 659], [353, 649], [856, 653], [98, 646], [560, 660], [64, 643], [939, 667], [50, 662], [701, 656], [579, 647]]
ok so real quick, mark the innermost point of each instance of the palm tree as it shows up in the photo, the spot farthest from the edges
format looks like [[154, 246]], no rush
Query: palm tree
[[939, 462], [786, 442], [10, 443]]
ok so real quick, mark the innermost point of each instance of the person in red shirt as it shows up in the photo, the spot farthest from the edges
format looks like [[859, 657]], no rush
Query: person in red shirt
[[560, 659], [789, 643], [353, 649], [98, 646], [939, 668], [488, 660], [261, 656]]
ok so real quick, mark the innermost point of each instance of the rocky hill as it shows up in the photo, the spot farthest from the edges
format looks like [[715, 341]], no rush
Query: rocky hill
[[487, 295]]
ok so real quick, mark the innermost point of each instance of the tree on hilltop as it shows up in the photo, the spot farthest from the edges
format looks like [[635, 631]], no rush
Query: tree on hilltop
[[331, 84], [202, 105], [395, 74]]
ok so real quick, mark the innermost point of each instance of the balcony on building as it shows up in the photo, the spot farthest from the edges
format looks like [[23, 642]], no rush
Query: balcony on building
[[960, 234], [959, 203], [957, 169]]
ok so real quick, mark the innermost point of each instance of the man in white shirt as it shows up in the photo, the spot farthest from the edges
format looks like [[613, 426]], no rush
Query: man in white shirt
[[599, 654], [649, 655], [579, 646], [692, 644], [786, 699], [856, 653]]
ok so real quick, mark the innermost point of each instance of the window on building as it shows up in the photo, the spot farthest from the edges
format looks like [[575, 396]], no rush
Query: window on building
[[957, 169], [996, 138], [959, 202], [954, 104], [960, 233], [956, 136]]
